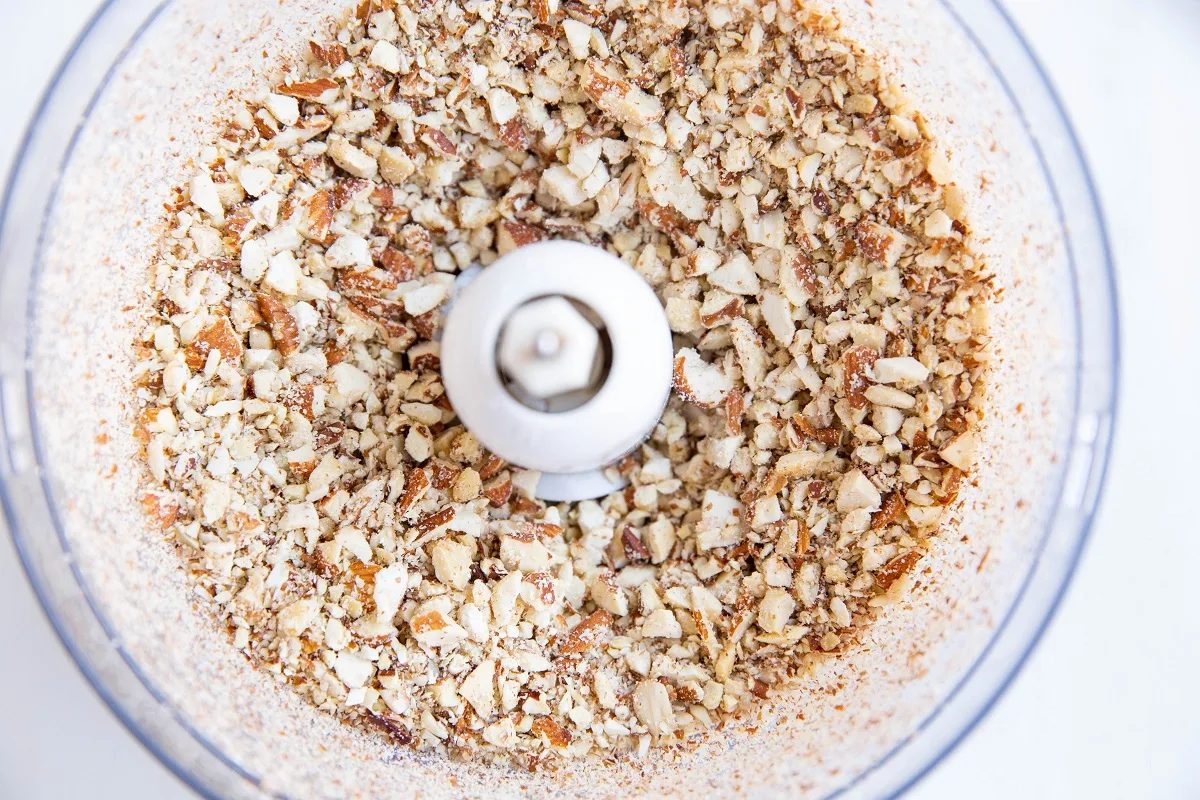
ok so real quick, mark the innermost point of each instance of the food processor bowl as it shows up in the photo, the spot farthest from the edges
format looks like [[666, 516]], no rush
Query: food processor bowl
[[145, 88]]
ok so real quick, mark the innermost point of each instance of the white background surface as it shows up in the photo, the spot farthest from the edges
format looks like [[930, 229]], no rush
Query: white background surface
[[1109, 705]]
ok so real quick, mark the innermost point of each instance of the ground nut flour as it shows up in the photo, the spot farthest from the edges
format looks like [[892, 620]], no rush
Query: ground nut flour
[[809, 246]]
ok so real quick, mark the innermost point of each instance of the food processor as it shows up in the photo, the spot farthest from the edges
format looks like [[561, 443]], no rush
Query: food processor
[[145, 88]]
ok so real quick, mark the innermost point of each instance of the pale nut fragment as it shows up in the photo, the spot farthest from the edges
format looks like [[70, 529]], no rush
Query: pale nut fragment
[[776, 572], [775, 609], [661, 624], [205, 197], [585, 155], [720, 523], [349, 382], [466, 486], [502, 105], [561, 183], [903, 370], [659, 537], [504, 599], [887, 420], [683, 314], [904, 127], [350, 158], [736, 276], [254, 262], [938, 167], [924, 516], [670, 187], [452, 563], [699, 382], [856, 491], [777, 313], [283, 273], [395, 166], [608, 595], [386, 56], [255, 180], [479, 689], [938, 224], [476, 212], [425, 299], [652, 705], [502, 734], [579, 37], [296, 617], [352, 669], [860, 104], [701, 261], [606, 693], [391, 583], [887, 396], [360, 120], [283, 108], [752, 356], [765, 512], [960, 451], [349, 250], [796, 464], [839, 612]]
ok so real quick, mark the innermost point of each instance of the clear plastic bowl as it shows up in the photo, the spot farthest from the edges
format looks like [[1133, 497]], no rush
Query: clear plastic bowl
[[72, 255]]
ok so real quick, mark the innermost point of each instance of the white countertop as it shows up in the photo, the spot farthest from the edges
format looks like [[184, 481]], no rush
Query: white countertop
[[1109, 704]]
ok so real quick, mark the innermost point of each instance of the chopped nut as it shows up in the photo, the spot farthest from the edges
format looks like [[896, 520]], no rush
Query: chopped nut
[[618, 97], [587, 633], [829, 318], [350, 158], [960, 451], [699, 382], [893, 507], [479, 689], [452, 563], [652, 705], [856, 491], [220, 337], [284, 331], [554, 734], [906, 370], [661, 624], [321, 90], [433, 628], [775, 609]]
